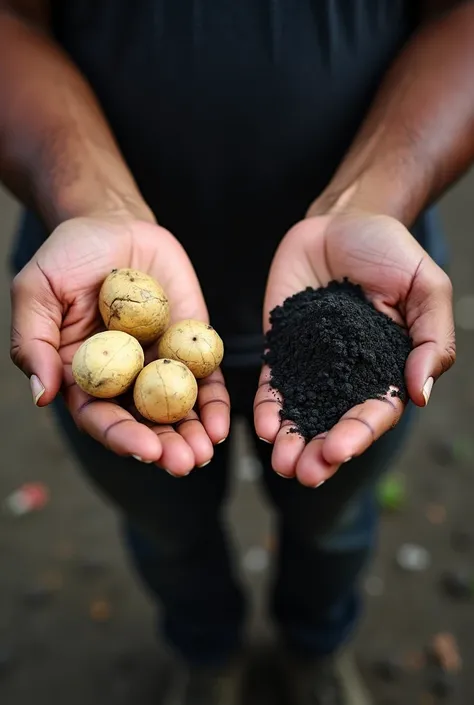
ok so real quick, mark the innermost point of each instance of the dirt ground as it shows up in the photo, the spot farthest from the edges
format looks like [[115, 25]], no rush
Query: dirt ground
[[75, 626]]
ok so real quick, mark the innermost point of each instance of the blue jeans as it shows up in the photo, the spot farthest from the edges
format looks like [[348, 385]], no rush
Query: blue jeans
[[176, 536]]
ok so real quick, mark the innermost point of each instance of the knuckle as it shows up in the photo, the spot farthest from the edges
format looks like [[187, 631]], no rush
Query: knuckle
[[444, 285], [449, 357], [17, 285]]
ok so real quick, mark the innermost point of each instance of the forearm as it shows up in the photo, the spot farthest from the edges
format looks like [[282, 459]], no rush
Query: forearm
[[418, 137], [57, 153]]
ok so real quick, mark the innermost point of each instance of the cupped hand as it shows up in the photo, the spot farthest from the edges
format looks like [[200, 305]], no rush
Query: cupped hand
[[54, 309], [400, 278]]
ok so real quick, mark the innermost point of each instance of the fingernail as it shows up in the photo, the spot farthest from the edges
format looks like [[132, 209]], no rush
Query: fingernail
[[222, 441], [347, 460], [37, 389], [319, 484], [177, 477], [264, 440], [140, 460], [204, 464], [427, 389], [285, 477]]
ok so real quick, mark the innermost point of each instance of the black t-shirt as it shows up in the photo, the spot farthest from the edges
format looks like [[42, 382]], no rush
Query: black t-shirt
[[232, 115]]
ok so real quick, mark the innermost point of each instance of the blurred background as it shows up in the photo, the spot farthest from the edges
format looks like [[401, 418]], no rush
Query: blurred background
[[75, 626]]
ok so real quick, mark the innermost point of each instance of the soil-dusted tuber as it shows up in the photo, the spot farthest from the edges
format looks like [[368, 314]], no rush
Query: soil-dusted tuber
[[194, 343], [329, 349], [165, 391], [135, 303], [107, 363]]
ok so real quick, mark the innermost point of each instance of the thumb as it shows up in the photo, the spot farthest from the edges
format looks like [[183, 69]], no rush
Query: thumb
[[35, 332], [429, 315]]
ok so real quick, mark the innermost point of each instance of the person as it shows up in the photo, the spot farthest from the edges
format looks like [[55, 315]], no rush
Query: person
[[238, 152]]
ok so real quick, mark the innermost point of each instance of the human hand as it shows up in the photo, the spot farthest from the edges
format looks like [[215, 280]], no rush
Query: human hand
[[401, 280], [54, 309]]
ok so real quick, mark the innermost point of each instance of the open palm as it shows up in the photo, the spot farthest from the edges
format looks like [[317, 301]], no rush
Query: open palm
[[55, 309], [401, 280]]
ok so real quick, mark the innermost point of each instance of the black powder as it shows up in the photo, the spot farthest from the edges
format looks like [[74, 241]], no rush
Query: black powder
[[329, 349]]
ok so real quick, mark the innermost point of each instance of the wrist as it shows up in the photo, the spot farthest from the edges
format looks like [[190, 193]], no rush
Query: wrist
[[108, 203], [382, 191]]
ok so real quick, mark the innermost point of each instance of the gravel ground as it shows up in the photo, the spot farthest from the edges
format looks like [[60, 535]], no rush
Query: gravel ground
[[75, 626]]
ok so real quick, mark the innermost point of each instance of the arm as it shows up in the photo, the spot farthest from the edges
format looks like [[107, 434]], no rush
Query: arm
[[57, 153], [418, 137]]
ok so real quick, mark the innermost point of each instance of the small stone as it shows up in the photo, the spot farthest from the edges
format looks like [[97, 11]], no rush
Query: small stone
[[256, 560], [458, 585], [100, 611], [413, 558], [442, 685]]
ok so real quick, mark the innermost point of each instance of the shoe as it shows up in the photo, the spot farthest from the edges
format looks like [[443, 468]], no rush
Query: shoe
[[206, 686], [333, 680]]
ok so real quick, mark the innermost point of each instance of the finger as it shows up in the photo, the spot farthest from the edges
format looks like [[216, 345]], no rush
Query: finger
[[112, 426], [287, 450], [360, 427], [214, 406], [195, 435], [312, 468], [430, 319], [266, 408], [35, 333], [177, 457]]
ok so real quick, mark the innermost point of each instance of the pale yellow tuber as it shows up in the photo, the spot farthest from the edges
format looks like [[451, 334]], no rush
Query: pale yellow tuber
[[194, 343], [165, 391], [107, 363], [135, 303]]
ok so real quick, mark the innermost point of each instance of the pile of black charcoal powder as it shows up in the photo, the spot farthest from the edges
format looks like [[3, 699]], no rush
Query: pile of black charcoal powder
[[329, 349]]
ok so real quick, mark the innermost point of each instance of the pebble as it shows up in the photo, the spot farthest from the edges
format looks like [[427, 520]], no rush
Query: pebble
[[458, 584], [100, 611], [413, 558], [256, 560], [442, 685]]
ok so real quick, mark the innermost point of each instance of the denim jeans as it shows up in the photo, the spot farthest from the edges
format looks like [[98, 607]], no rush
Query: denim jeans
[[175, 532]]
